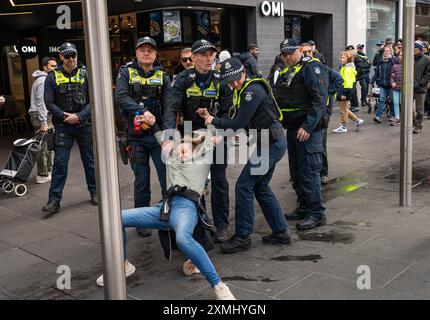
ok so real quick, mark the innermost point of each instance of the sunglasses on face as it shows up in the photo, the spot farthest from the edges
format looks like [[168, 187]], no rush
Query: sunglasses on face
[[68, 56], [184, 60]]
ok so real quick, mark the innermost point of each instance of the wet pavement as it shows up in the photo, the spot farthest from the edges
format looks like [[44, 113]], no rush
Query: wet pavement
[[365, 227]]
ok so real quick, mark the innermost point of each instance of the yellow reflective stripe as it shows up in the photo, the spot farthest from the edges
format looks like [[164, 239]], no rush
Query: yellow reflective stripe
[[155, 80], [60, 78], [238, 95], [290, 109], [195, 91]]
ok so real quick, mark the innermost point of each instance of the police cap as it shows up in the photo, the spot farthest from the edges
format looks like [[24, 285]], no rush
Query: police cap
[[289, 45], [146, 40], [67, 48], [201, 46], [231, 70]]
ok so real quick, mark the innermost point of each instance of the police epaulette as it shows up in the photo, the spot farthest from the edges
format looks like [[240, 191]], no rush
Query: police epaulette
[[306, 59]]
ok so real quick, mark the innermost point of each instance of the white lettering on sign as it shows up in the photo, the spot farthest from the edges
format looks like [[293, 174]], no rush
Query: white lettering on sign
[[28, 49], [53, 49], [274, 9]]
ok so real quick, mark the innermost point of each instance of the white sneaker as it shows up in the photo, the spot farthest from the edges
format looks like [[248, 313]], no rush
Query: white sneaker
[[358, 123], [222, 292], [129, 270], [189, 268], [341, 129], [41, 179]]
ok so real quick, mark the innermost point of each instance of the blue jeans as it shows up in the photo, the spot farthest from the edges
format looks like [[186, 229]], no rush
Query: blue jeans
[[64, 139], [183, 219], [249, 185], [397, 98], [305, 161], [142, 149], [384, 92]]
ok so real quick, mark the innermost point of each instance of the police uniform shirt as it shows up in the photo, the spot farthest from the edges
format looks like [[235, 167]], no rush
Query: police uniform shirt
[[251, 98], [123, 95], [51, 90], [177, 97], [315, 82]]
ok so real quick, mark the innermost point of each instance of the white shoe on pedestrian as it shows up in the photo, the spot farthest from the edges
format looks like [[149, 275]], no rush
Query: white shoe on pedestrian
[[189, 268], [129, 270], [341, 129], [41, 179], [358, 123], [222, 292]]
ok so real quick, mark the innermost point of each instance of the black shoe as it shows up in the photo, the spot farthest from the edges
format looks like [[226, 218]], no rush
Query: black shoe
[[143, 232], [297, 214], [94, 201], [278, 238], [355, 110], [369, 109], [52, 206], [221, 235], [236, 244], [310, 223], [377, 120]]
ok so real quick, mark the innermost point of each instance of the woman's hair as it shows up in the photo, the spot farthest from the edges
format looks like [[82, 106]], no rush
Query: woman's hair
[[349, 56]]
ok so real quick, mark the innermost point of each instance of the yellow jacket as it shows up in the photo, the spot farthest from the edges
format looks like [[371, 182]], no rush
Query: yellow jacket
[[349, 75]]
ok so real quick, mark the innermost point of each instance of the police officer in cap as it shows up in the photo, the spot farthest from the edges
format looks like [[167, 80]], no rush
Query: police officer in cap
[[141, 89], [196, 88], [301, 92], [66, 97], [256, 109]]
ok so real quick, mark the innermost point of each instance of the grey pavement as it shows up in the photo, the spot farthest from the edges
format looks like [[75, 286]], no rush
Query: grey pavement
[[366, 227]]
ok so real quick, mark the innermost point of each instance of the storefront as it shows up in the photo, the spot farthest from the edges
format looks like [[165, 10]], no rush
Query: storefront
[[229, 24]]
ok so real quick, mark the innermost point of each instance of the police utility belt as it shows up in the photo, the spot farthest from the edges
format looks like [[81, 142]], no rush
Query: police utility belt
[[297, 121]]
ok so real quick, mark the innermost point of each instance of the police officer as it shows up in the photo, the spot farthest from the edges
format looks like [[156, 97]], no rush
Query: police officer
[[256, 109], [195, 88], [141, 89], [301, 92], [66, 97]]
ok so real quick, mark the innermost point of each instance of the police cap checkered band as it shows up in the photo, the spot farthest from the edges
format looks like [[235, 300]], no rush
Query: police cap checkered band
[[232, 72], [289, 45], [201, 46], [67, 47]]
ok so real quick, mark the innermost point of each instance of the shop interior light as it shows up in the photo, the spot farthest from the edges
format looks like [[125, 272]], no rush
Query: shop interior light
[[12, 2], [15, 13]]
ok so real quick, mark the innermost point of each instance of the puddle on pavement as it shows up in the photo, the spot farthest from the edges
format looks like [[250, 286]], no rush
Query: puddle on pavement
[[332, 236], [349, 223], [311, 257], [341, 186], [420, 177]]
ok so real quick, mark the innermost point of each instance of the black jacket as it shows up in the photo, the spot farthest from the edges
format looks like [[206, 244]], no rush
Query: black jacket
[[382, 75], [421, 74], [362, 65], [250, 64], [58, 110]]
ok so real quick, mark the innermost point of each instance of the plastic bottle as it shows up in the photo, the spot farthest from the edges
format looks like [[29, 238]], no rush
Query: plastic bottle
[[137, 125]]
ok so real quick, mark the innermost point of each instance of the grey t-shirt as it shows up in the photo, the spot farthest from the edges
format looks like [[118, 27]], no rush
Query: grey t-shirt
[[194, 172]]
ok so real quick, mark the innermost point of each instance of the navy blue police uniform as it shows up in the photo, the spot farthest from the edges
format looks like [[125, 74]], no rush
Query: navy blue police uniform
[[301, 92], [68, 92], [137, 92], [256, 109]]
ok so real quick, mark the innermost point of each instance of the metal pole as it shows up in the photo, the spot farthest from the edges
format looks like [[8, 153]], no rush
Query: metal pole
[[100, 81], [407, 103]]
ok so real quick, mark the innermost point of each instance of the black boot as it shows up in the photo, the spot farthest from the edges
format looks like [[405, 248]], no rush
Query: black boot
[[144, 232], [52, 206], [94, 200], [310, 223], [221, 235], [278, 238], [297, 214], [236, 244]]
